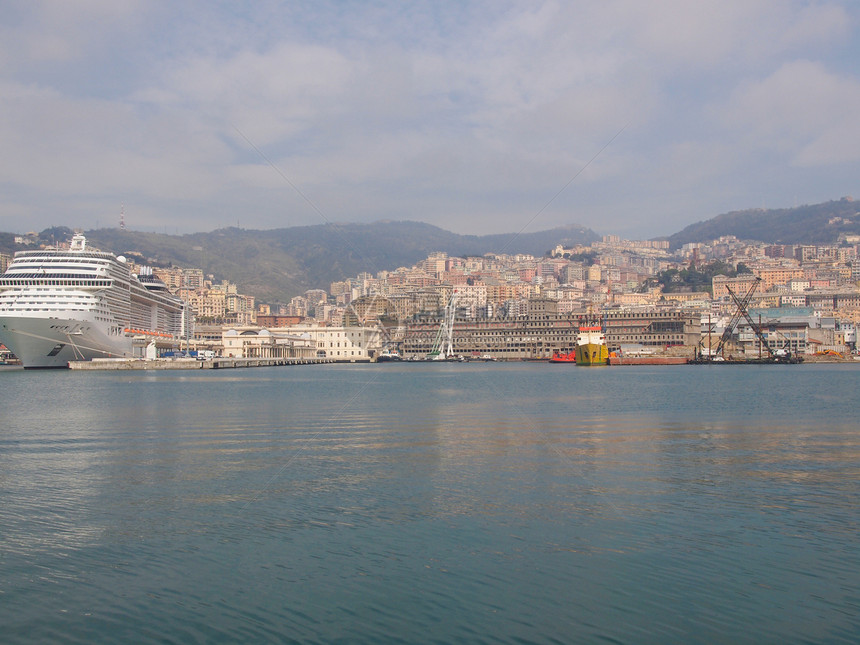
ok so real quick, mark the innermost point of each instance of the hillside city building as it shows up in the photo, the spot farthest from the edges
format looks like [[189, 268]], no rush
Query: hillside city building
[[523, 307]]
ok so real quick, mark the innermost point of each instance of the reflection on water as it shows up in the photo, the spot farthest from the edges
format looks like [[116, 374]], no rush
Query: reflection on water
[[431, 502]]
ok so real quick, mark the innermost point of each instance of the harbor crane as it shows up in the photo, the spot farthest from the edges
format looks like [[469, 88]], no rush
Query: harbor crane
[[736, 317], [782, 355], [742, 312], [742, 307]]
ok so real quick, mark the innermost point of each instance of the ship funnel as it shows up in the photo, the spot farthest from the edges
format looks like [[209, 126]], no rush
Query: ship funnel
[[79, 243]]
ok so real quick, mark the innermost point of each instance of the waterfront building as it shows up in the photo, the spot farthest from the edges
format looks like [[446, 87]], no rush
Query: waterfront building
[[347, 344], [652, 327], [544, 329], [207, 336], [256, 342], [790, 333], [798, 330], [535, 335]]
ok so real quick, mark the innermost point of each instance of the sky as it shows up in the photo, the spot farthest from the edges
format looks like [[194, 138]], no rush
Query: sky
[[629, 117]]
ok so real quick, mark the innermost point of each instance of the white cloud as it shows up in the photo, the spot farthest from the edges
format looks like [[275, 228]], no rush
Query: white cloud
[[467, 114], [88, 146], [702, 36], [803, 110], [43, 32]]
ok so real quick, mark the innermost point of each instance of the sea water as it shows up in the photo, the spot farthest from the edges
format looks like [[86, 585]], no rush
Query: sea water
[[485, 503]]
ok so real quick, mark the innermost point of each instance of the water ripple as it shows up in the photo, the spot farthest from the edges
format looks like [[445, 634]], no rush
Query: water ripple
[[498, 503]]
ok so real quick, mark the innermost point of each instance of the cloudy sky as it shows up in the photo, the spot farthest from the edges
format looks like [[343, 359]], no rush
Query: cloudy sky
[[632, 117]]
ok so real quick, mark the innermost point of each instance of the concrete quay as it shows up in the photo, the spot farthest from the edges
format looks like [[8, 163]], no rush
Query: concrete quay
[[190, 363]]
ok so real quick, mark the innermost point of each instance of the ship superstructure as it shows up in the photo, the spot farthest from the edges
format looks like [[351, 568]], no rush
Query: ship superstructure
[[60, 305]]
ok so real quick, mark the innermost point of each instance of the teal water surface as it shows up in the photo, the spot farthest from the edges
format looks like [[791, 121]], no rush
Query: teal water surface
[[431, 503]]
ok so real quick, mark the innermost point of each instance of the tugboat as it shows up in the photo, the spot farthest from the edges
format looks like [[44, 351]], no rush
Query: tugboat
[[388, 355], [561, 357]]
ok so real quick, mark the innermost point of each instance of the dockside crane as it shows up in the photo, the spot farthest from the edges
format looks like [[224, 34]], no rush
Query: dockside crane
[[742, 307], [741, 311], [782, 355]]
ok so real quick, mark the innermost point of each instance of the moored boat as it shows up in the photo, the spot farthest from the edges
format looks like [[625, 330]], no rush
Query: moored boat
[[648, 360], [388, 356], [60, 305], [563, 358], [591, 344]]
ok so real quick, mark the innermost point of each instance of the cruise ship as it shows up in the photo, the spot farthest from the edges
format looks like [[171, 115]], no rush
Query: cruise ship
[[59, 305]]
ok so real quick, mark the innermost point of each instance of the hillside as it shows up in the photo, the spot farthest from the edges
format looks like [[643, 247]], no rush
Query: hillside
[[810, 224], [275, 265], [7, 243]]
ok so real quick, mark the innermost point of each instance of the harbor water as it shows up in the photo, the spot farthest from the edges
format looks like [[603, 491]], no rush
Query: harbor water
[[484, 503]]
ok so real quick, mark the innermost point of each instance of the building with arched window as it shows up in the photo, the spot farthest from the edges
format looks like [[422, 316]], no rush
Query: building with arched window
[[262, 343]]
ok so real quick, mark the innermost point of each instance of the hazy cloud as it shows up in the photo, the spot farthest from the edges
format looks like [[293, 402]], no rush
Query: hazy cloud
[[805, 110], [470, 116]]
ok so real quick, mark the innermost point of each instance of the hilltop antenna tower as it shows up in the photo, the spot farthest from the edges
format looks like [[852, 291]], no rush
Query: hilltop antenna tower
[[122, 217]]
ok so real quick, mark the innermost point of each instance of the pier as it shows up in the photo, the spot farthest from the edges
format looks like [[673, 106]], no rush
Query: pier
[[192, 363]]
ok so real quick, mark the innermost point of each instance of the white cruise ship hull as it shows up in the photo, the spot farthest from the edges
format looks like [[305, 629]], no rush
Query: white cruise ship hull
[[52, 341]]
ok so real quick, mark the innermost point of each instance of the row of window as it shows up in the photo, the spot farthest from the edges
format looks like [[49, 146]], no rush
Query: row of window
[[620, 337], [56, 280], [54, 302], [17, 308]]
